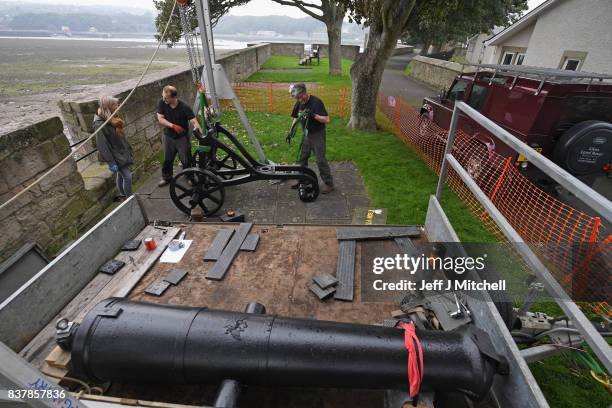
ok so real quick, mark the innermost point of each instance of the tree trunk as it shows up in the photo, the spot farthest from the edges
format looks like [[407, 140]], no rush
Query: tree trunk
[[334, 39], [333, 16], [366, 72]]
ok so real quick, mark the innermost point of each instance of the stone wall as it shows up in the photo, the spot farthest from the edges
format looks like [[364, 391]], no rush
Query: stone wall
[[241, 64], [438, 74], [348, 51], [55, 210], [74, 196], [290, 49]]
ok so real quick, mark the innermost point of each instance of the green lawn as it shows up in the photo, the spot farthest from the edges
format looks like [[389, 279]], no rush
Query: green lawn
[[317, 73]]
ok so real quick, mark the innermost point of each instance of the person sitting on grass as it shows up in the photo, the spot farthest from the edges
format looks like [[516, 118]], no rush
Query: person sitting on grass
[[113, 146], [313, 117]]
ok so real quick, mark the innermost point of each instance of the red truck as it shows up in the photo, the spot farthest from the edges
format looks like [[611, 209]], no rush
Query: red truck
[[565, 115]]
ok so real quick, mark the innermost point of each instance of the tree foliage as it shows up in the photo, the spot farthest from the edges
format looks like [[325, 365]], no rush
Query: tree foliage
[[388, 20], [218, 8], [442, 21]]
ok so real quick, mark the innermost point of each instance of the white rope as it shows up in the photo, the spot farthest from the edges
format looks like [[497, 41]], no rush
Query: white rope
[[65, 159]]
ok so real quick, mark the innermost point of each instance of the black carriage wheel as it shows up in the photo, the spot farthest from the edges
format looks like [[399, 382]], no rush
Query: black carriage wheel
[[221, 162], [195, 187], [308, 190]]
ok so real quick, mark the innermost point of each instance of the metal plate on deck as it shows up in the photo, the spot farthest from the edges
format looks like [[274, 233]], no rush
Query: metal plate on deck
[[345, 271], [216, 248], [363, 233], [250, 242]]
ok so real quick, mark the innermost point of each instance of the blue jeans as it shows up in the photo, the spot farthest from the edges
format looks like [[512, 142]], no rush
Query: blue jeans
[[124, 181]]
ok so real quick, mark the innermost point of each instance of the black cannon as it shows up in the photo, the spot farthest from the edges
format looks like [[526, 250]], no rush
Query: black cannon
[[122, 340]]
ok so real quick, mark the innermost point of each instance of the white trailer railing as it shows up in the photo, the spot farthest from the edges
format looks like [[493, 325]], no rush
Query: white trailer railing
[[593, 199]]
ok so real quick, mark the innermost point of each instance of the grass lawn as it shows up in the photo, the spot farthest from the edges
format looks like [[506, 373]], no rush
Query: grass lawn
[[317, 73], [395, 177]]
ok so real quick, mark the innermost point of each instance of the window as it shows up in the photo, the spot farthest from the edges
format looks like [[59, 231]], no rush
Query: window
[[571, 64], [507, 58], [478, 96], [572, 60], [520, 57], [456, 90]]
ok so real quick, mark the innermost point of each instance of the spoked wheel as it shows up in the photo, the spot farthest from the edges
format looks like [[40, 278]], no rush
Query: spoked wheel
[[195, 187], [308, 190], [220, 163]]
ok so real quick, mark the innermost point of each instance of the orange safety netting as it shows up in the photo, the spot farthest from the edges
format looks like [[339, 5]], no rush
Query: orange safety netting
[[574, 245], [274, 97]]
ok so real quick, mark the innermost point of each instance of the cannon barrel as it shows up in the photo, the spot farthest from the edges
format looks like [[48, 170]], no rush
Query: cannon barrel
[[123, 340]]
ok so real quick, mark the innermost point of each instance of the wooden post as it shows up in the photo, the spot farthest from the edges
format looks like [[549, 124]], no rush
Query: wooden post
[[342, 103], [271, 98], [398, 111]]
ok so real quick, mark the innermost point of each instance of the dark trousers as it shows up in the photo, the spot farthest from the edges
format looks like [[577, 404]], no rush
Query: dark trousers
[[316, 142], [172, 147]]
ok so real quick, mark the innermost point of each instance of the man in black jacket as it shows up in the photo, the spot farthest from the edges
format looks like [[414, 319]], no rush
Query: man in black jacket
[[311, 112], [175, 116]]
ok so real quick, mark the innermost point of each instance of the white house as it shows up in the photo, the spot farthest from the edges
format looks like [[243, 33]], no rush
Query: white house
[[562, 34]]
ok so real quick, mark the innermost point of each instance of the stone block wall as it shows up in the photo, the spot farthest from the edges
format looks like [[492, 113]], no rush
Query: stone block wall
[[279, 48], [241, 64], [438, 74], [142, 129], [348, 51], [55, 210]]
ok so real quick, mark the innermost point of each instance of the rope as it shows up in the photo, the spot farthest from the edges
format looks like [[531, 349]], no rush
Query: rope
[[415, 362], [65, 159]]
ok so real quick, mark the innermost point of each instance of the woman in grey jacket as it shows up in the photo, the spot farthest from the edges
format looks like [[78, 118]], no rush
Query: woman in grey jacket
[[112, 144]]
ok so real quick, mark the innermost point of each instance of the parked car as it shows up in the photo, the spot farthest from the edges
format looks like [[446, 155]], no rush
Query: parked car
[[567, 116]]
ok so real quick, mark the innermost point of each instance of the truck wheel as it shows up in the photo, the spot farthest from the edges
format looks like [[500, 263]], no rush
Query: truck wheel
[[585, 148]]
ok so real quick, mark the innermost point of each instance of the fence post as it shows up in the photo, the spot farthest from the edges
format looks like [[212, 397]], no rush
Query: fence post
[[271, 98], [398, 111], [343, 102]]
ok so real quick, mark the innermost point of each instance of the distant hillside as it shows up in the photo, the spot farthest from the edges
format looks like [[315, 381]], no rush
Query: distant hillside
[[280, 24], [124, 22]]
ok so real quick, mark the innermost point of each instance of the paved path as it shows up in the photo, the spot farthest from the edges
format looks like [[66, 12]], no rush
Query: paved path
[[262, 202], [396, 83]]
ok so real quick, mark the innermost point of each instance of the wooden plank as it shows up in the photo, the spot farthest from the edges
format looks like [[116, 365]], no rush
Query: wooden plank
[[25, 313], [135, 268], [363, 233], [250, 242], [216, 248], [43, 342], [58, 358], [345, 271], [229, 253], [135, 402]]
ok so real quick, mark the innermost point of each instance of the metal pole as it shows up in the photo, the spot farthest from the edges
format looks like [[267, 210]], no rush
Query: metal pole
[[207, 45], [599, 345], [449, 148]]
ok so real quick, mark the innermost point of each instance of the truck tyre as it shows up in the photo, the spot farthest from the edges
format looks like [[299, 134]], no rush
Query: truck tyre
[[585, 148]]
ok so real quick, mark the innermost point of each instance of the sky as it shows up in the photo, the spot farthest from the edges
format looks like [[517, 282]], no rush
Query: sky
[[254, 8]]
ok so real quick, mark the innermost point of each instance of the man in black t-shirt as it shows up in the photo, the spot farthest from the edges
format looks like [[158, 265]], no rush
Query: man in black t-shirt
[[175, 116], [311, 112]]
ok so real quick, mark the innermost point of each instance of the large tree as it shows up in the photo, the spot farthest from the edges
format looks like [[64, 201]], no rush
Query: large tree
[[218, 8], [331, 13], [389, 19]]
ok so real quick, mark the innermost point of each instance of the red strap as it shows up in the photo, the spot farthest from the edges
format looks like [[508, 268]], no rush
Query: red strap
[[415, 367]]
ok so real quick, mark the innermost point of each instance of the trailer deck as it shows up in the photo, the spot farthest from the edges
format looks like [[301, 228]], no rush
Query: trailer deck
[[276, 274]]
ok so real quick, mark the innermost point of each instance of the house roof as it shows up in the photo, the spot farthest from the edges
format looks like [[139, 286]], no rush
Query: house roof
[[523, 22]]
